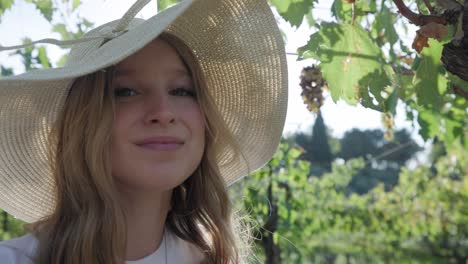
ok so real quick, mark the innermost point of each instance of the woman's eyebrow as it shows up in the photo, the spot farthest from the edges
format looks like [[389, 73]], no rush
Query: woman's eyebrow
[[123, 72], [179, 71]]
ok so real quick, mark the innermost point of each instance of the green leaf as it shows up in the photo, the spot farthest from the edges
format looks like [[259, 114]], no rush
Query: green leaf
[[26, 54], [391, 103], [453, 130], [310, 20], [294, 153], [351, 63], [297, 11], [62, 30], [5, 71], [430, 123], [293, 11], [343, 10], [76, 4], [384, 25], [448, 127], [392, 91], [42, 57], [429, 82], [163, 4], [5, 5], [87, 23], [281, 5], [61, 62], [45, 7]]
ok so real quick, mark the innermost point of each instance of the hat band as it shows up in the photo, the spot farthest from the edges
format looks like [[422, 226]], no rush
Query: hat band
[[118, 30]]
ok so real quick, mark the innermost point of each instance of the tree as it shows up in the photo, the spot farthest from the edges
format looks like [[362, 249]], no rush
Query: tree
[[316, 146], [384, 159], [322, 153]]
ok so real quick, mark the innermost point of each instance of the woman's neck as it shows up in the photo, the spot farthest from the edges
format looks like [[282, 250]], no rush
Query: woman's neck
[[146, 214]]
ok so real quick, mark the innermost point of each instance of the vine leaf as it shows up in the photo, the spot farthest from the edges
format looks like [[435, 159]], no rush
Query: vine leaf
[[45, 7], [429, 81], [343, 10], [76, 4], [4, 71], [294, 11], [392, 91], [383, 25], [5, 5], [42, 57], [351, 63], [62, 30], [429, 121], [163, 4]]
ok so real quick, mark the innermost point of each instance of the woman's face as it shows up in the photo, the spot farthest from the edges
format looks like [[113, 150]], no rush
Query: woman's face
[[158, 132]]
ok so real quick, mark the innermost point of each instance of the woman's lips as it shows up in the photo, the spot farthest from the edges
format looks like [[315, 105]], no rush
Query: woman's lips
[[161, 143], [162, 146]]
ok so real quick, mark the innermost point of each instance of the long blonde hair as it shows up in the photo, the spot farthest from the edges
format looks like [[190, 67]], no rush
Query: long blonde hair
[[88, 224]]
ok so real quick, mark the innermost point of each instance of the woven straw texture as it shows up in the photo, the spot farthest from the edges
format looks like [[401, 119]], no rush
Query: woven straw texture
[[242, 56]]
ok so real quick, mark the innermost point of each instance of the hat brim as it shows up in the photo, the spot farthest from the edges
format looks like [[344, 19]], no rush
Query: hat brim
[[242, 57]]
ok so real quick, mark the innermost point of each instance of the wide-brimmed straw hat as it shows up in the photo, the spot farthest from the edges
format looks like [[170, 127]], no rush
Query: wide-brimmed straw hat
[[242, 57]]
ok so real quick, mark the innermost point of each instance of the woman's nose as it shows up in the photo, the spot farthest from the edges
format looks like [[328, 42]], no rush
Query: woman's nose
[[159, 110]]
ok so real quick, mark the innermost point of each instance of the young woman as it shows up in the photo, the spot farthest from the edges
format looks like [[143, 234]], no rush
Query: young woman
[[124, 155]]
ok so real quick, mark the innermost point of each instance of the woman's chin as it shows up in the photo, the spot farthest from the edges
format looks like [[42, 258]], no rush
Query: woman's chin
[[152, 181]]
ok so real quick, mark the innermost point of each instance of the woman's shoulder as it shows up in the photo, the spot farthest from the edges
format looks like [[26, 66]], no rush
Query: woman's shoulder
[[18, 250]]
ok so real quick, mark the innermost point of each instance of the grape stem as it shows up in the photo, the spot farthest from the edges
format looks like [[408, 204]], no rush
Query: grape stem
[[418, 19]]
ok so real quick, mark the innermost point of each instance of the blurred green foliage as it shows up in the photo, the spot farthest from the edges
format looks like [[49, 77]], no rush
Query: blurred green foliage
[[422, 219], [10, 227]]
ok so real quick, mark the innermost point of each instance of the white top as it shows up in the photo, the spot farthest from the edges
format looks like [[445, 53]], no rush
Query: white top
[[22, 250]]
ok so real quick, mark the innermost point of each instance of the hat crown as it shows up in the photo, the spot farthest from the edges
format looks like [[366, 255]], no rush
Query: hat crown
[[82, 51]]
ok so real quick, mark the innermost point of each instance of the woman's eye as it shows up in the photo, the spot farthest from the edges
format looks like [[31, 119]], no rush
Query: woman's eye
[[124, 92], [183, 92]]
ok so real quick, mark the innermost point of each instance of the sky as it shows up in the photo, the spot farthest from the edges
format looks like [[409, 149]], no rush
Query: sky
[[23, 20]]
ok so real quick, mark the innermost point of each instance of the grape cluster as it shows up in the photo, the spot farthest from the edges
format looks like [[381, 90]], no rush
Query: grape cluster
[[312, 84]]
